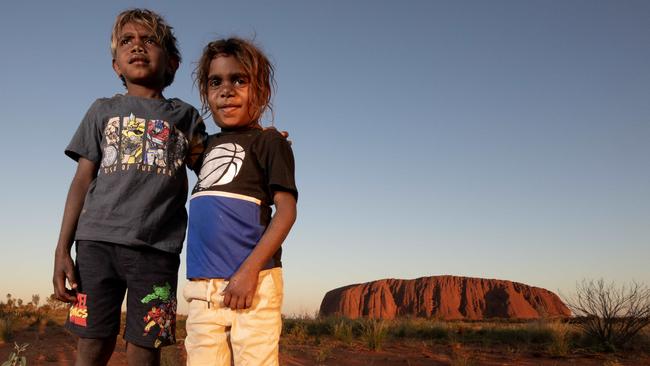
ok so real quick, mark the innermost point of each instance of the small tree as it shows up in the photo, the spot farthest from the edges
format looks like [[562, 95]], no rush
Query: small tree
[[36, 299], [612, 315], [54, 303]]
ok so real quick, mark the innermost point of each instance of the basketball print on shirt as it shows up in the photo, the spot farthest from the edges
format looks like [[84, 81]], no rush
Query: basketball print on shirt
[[221, 165]]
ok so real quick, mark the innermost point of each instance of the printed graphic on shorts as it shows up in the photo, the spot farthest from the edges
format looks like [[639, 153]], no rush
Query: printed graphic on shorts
[[79, 311], [132, 134], [159, 293], [221, 165], [112, 139], [156, 143], [162, 315]]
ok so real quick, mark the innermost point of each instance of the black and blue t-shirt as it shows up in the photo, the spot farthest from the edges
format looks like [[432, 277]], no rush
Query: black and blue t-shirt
[[230, 206]]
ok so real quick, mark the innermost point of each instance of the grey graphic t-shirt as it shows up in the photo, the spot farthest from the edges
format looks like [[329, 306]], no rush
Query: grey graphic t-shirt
[[141, 147]]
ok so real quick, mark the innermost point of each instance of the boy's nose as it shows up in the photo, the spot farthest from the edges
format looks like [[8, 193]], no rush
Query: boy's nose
[[137, 46]]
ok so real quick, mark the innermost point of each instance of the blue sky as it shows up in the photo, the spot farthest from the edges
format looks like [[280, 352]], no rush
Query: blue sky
[[500, 139]]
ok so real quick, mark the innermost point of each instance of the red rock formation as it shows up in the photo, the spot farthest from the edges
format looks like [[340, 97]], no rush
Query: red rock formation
[[443, 297]]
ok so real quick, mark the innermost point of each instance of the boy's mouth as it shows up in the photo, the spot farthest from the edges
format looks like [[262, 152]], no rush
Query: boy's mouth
[[138, 60]]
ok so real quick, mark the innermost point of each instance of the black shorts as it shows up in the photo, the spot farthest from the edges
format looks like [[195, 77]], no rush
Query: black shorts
[[105, 272]]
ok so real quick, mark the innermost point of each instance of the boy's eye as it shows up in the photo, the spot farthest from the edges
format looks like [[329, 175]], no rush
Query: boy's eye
[[150, 41], [239, 82], [124, 41], [214, 83]]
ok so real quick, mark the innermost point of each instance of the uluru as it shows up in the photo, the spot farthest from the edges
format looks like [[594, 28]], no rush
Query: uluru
[[443, 297]]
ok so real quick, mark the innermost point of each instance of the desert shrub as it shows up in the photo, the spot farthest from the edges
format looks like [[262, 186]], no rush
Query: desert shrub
[[374, 332], [35, 300], [509, 334], [55, 304], [297, 331], [610, 314], [7, 324], [539, 333], [342, 331], [320, 326], [324, 352], [309, 326], [561, 338], [15, 358], [459, 357], [419, 329]]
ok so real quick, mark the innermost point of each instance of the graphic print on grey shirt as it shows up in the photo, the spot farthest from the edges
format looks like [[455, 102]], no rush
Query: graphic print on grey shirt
[[141, 147]]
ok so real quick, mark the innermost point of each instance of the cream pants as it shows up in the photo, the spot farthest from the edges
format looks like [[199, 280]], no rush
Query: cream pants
[[220, 336]]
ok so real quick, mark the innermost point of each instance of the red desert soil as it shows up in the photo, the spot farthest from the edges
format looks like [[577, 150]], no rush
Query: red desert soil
[[55, 346], [443, 297]]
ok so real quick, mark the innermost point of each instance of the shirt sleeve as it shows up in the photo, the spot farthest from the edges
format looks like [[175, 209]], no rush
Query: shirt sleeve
[[197, 142], [277, 161], [86, 142]]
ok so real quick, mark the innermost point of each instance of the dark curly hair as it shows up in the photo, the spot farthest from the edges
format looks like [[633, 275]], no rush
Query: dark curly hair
[[256, 65]]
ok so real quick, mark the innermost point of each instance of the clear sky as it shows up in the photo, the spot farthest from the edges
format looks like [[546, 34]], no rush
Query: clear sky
[[496, 139]]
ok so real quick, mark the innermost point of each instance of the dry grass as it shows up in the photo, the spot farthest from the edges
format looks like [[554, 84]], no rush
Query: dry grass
[[342, 331], [374, 332], [322, 339], [551, 337], [560, 345]]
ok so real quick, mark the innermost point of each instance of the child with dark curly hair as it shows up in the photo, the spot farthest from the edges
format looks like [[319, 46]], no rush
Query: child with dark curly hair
[[234, 242]]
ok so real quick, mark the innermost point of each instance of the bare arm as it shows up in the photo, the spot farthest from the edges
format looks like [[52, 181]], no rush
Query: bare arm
[[63, 264], [240, 291]]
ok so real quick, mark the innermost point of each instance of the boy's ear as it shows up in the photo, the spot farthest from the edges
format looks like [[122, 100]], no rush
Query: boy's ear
[[173, 64], [116, 67]]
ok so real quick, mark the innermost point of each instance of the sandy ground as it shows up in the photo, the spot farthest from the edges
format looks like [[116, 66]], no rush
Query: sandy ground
[[53, 345]]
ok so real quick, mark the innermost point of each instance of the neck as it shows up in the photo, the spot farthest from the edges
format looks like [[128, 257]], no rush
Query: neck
[[143, 91], [245, 127]]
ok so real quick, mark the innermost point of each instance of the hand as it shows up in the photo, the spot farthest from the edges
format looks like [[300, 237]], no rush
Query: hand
[[64, 269], [284, 134], [240, 290]]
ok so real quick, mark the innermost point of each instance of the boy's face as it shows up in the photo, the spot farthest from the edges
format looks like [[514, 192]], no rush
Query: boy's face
[[139, 58], [228, 92]]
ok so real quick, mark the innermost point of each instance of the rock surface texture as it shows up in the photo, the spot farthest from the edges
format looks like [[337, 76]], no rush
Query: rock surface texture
[[443, 297]]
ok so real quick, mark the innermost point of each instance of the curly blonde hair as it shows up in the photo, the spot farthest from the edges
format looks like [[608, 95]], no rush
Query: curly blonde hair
[[162, 31]]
